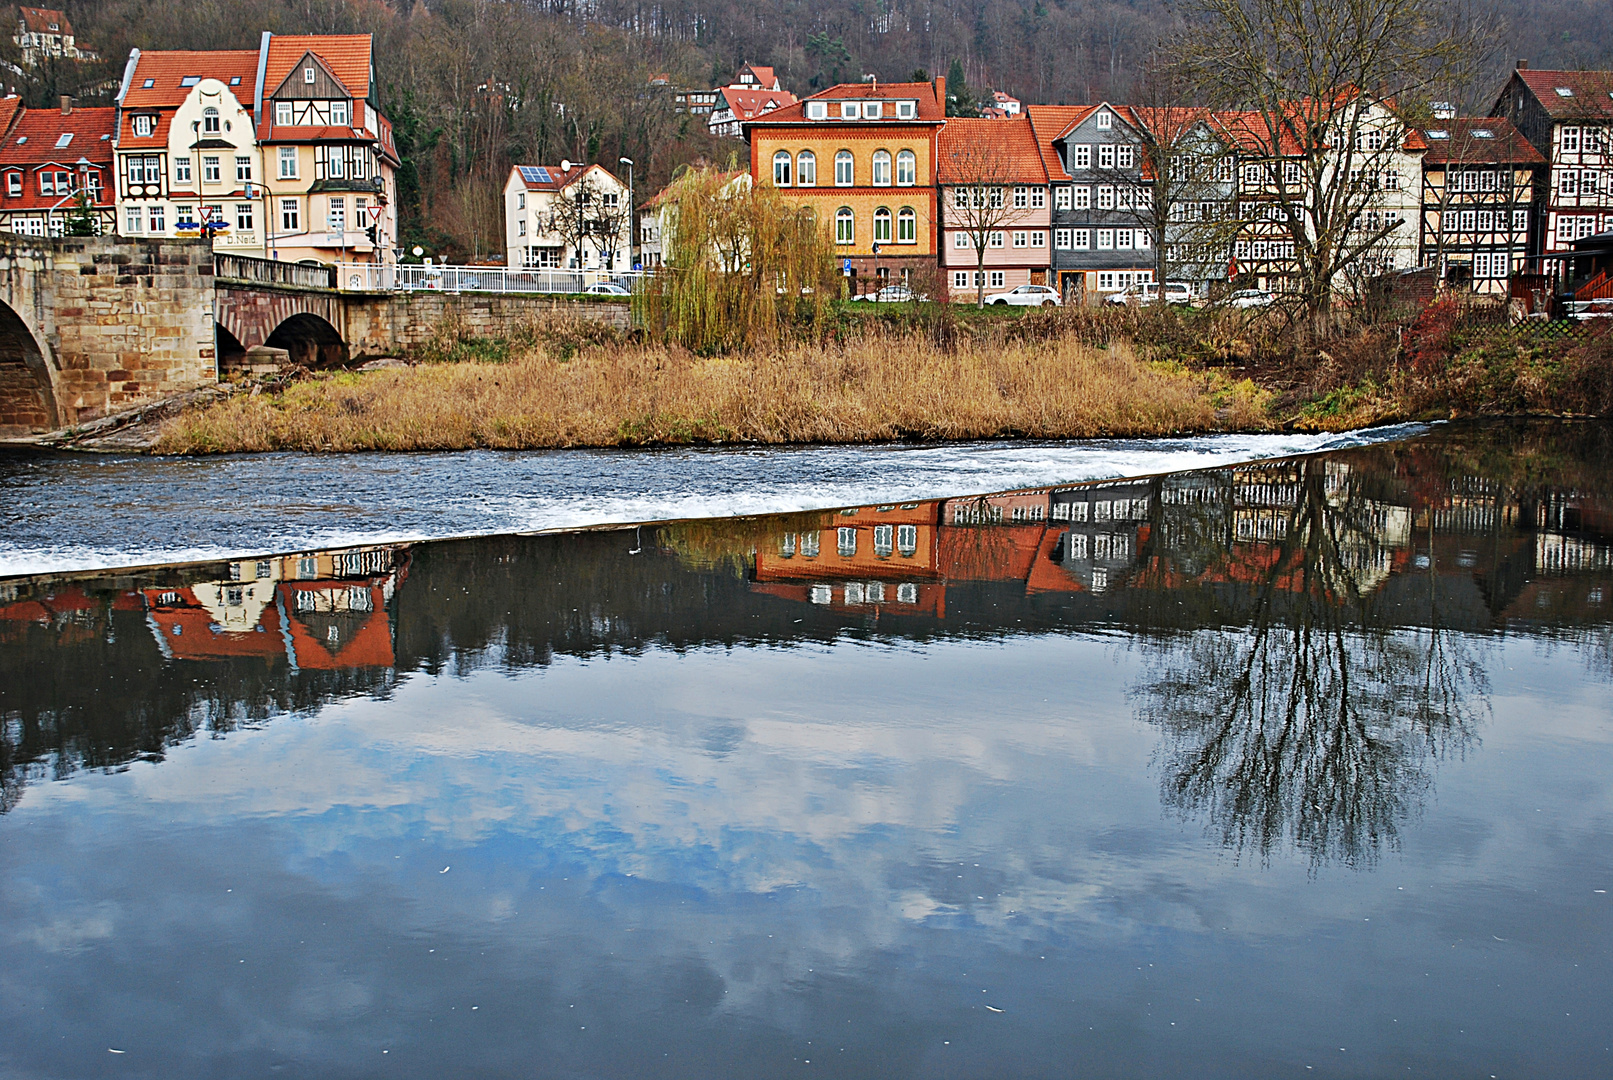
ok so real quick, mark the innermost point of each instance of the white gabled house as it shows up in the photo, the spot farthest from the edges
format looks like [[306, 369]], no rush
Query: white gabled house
[[567, 217]]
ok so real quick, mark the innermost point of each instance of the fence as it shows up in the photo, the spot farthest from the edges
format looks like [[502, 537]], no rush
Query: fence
[[273, 272], [439, 277]]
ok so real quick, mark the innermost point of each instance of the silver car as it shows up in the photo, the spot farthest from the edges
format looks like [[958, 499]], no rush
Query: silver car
[[1244, 299], [1027, 296]]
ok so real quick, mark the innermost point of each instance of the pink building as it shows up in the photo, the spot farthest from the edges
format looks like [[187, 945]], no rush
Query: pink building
[[998, 162]]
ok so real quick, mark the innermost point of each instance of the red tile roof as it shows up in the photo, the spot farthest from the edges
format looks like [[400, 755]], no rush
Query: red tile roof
[[347, 56], [966, 149], [931, 109], [45, 21], [749, 104], [33, 140], [1590, 93], [764, 75], [559, 178], [157, 140], [1049, 122], [1459, 140], [10, 109], [164, 70]]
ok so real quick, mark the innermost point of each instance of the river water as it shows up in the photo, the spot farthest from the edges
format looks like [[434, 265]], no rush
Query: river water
[[1298, 767]]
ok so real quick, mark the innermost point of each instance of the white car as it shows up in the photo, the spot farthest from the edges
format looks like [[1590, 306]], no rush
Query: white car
[[1176, 292], [1027, 296], [1244, 299], [607, 288], [890, 294]]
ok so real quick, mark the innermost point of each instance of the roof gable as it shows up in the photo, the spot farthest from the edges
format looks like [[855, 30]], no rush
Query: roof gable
[[348, 57], [310, 78], [968, 149], [163, 79]]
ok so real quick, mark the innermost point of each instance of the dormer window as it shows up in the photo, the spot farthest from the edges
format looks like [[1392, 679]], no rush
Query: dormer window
[[148, 84], [848, 110], [906, 110], [873, 110], [308, 75], [64, 139], [817, 110], [1483, 133], [143, 126], [13, 183], [190, 80], [1563, 91], [338, 113], [282, 113]]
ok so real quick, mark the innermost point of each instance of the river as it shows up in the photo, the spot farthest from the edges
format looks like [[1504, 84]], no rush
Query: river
[[1293, 766]]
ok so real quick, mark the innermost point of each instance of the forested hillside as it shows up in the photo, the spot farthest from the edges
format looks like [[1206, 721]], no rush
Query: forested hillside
[[473, 85]]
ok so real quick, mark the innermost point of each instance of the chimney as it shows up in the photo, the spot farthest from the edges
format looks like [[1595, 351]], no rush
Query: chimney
[[67, 105], [1523, 65], [941, 91]]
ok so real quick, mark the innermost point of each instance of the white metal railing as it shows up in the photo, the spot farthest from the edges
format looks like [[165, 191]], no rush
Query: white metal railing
[[440, 277]]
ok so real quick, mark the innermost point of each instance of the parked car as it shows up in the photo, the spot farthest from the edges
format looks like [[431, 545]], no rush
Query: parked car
[[1176, 292], [890, 294], [1251, 298], [1027, 296], [607, 288]]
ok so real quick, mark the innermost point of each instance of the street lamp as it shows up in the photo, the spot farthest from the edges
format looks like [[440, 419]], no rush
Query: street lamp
[[632, 215]]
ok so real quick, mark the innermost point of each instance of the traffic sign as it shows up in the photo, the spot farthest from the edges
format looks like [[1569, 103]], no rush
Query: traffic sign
[[375, 214]]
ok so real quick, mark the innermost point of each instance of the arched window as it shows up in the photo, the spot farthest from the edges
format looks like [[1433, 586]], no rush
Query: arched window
[[843, 173], [845, 226], [882, 168], [882, 226], [907, 169], [210, 120], [781, 169], [907, 226], [806, 169]]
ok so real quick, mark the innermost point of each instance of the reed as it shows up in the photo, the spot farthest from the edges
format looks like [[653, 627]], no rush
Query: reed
[[874, 387]]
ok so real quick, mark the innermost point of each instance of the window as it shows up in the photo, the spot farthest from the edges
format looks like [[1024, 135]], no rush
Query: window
[[1570, 141], [1106, 156], [781, 169], [1106, 121], [1106, 239], [1022, 198], [307, 74], [1520, 220], [1251, 175], [1021, 238], [1106, 197], [156, 219], [520, 227], [132, 219], [1390, 180], [960, 240], [1568, 184], [848, 110], [1125, 155], [1143, 240], [210, 121], [1083, 239], [1083, 198], [845, 226], [520, 200], [907, 226], [882, 168], [13, 184], [181, 170], [243, 169], [997, 279], [816, 110], [1061, 239], [288, 163], [210, 169], [960, 279], [1038, 238], [243, 217], [1038, 198], [843, 170], [995, 240], [906, 110], [996, 197], [336, 217], [882, 226], [1486, 221], [143, 126], [1061, 198], [846, 541], [338, 113], [290, 217], [336, 164], [884, 540], [806, 169], [1469, 221], [1081, 158], [282, 113], [1123, 239], [907, 169], [907, 541]]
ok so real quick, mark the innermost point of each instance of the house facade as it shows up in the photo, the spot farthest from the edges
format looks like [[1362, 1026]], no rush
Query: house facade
[[1102, 241], [329, 177], [1479, 178], [49, 158], [567, 217], [994, 187], [1567, 116], [862, 157], [185, 150], [46, 33]]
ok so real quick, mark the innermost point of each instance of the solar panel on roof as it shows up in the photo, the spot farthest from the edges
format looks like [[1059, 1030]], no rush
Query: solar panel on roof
[[535, 174]]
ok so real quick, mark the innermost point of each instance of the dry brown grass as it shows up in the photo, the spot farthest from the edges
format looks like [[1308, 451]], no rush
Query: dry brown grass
[[876, 387]]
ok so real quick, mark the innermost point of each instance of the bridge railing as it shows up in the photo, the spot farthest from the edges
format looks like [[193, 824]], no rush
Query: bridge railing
[[441, 277], [273, 272]]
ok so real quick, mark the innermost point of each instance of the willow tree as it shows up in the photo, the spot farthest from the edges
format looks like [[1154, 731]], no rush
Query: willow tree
[[742, 266]]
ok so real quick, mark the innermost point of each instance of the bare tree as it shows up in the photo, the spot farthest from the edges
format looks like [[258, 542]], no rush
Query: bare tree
[[975, 177], [1323, 91], [585, 212]]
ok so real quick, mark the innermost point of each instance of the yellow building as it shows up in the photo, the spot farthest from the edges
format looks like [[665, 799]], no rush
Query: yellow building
[[862, 156]]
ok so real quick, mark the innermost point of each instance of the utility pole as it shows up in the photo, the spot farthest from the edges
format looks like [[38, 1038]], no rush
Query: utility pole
[[632, 216]]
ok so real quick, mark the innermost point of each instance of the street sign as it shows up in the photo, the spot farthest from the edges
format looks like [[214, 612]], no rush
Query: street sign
[[845, 268], [375, 214]]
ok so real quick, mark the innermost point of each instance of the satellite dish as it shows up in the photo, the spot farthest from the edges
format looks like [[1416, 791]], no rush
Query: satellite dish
[[565, 165]]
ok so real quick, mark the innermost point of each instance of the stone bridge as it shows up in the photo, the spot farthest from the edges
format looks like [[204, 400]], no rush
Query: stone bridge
[[94, 325]]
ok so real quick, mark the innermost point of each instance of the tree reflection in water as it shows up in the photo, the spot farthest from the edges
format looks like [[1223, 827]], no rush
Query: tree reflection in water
[[1314, 724]]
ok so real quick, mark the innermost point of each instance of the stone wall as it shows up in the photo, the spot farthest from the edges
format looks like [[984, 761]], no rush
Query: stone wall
[[388, 325], [102, 324]]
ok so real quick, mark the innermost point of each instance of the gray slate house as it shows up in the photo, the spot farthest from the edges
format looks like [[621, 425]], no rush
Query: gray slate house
[[1101, 235]]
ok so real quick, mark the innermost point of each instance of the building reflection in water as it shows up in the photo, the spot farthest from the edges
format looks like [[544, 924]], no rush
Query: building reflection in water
[[1313, 630]]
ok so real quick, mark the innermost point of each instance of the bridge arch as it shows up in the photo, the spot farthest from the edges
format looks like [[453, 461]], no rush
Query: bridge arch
[[305, 323], [310, 339], [27, 385]]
